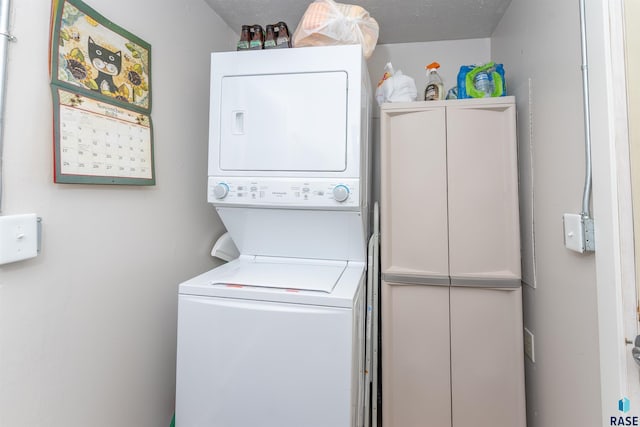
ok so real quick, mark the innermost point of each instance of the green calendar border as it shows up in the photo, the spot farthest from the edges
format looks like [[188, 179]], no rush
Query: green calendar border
[[91, 179]]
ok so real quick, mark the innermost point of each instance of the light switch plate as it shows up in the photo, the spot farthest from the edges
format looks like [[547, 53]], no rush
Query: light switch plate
[[18, 237], [574, 232]]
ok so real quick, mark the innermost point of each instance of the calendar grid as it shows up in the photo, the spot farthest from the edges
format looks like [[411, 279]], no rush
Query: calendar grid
[[101, 143]]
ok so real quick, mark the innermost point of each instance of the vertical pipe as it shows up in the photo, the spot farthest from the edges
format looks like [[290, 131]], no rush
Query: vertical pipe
[[586, 196], [5, 11]]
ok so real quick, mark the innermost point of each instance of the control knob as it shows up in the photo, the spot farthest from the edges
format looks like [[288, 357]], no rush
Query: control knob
[[341, 193], [220, 190]]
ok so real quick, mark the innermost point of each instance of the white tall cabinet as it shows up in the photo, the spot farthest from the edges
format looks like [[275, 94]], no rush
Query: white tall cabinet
[[451, 298]]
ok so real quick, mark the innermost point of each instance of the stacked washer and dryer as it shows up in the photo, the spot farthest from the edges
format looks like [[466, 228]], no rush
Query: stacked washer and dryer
[[276, 337]]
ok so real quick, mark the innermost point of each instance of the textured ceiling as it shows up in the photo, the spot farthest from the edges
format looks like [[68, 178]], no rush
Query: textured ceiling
[[401, 21]]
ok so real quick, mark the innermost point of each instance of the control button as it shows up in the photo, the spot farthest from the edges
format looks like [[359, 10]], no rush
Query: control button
[[305, 189], [220, 191], [340, 193], [254, 188]]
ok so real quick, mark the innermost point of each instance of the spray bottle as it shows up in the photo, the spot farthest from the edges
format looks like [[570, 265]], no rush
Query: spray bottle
[[435, 87]]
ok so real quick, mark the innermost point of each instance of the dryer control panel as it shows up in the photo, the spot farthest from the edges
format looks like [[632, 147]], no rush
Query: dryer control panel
[[284, 192]]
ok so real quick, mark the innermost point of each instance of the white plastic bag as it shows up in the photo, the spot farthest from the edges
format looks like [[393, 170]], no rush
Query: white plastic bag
[[395, 87], [327, 23]]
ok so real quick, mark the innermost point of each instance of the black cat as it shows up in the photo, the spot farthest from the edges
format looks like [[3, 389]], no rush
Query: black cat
[[108, 65]]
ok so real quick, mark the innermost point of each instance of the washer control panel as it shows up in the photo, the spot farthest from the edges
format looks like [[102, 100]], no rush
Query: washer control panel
[[294, 192]]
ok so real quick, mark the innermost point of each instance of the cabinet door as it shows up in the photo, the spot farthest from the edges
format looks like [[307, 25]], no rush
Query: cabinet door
[[484, 236], [487, 358], [415, 356], [414, 193]]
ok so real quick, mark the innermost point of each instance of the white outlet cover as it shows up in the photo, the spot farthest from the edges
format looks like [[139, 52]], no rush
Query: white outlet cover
[[18, 237], [573, 232]]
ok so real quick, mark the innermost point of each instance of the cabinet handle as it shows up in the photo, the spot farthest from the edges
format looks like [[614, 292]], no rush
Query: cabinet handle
[[406, 279]]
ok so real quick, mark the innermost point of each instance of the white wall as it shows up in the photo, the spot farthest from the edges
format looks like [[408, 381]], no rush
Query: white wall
[[87, 329], [540, 41]]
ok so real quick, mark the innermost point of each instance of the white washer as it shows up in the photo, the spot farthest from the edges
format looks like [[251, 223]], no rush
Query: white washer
[[286, 354], [276, 337]]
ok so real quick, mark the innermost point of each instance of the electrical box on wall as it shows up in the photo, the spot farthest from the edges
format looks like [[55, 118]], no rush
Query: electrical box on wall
[[18, 237]]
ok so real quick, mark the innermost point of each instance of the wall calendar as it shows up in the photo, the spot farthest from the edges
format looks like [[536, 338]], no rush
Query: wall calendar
[[101, 88]]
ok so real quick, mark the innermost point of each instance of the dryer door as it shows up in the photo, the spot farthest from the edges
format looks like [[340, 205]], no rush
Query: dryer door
[[283, 122]]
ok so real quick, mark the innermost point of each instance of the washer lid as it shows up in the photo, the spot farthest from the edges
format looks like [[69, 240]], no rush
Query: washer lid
[[282, 273], [282, 280]]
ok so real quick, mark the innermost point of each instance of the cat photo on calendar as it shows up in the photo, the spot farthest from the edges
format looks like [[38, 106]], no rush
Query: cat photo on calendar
[[108, 65]]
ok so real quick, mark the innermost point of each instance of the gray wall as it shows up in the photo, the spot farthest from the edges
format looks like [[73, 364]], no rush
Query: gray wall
[[540, 42], [87, 329]]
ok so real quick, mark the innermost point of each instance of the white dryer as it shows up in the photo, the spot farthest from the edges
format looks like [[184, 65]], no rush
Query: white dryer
[[276, 337]]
